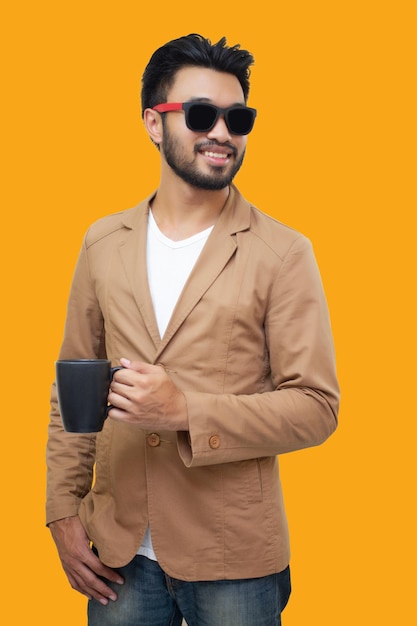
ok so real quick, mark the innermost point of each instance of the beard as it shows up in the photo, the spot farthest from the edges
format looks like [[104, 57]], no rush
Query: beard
[[188, 170]]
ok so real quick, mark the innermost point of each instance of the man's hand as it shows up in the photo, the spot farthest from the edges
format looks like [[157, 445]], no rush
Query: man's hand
[[145, 395], [80, 564]]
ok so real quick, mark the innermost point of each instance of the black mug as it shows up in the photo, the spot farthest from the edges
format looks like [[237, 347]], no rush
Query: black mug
[[83, 387]]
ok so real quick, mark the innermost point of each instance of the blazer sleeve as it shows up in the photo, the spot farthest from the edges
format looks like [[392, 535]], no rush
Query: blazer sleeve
[[70, 457], [301, 409]]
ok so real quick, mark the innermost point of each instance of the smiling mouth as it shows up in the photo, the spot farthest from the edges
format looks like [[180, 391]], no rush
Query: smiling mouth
[[216, 155], [220, 153]]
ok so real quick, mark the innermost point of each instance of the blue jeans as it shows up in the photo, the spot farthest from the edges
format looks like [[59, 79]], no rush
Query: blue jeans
[[151, 598]]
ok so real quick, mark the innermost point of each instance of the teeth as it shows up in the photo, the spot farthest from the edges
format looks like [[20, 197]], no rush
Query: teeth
[[216, 155]]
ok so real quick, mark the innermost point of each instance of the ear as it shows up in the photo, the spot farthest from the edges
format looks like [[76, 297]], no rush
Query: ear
[[153, 124]]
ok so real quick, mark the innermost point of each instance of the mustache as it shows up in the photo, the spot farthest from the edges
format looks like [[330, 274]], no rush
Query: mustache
[[206, 145]]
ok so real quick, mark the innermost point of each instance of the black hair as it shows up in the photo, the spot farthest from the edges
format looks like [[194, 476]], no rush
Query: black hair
[[192, 50]]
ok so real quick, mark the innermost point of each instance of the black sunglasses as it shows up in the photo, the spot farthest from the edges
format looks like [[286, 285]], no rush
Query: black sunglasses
[[202, 117]]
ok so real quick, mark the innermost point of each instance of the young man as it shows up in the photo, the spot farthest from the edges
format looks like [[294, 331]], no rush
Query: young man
[[217, 314]]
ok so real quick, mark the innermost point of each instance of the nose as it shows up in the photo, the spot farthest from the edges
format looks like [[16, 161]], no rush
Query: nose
[[220, 132]]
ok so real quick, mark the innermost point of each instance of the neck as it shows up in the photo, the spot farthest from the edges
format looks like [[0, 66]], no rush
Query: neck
[[181, 210]]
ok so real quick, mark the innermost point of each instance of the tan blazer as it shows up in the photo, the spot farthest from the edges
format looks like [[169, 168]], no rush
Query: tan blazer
[[250, 344]]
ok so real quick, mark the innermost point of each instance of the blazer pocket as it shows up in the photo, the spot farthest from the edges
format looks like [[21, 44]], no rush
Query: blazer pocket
[[253, 481]]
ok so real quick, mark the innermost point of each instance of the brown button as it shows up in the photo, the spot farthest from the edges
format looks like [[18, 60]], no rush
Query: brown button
[[153, 440], [214, 442]]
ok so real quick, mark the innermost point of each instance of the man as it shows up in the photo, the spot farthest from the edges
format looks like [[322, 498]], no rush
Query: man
[[217, 314]]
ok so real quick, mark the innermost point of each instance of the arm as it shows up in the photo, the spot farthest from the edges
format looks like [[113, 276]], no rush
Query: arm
[[299, 406], [70, 457]]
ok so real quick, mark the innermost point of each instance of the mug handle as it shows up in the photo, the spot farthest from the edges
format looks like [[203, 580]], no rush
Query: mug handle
[[112, 373]]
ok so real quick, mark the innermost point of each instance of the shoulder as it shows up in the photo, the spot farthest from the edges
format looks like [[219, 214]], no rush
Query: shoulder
[[111, 225], [266, 232], [275, 236]]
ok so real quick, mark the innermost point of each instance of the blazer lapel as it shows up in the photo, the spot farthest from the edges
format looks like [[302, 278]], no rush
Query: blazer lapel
[[220, 247], [133, 256]]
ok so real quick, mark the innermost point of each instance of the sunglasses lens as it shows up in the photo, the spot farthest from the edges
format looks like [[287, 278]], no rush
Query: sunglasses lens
[[240, 120], [201, 117]]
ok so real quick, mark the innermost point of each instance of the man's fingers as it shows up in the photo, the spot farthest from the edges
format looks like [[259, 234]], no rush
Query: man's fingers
[[83, 579]]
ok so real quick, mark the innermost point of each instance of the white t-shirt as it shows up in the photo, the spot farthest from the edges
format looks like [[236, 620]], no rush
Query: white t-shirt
[[169, 265]]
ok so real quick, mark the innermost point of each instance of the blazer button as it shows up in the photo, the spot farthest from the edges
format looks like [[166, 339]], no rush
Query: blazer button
[[153, 440], [214, 442]]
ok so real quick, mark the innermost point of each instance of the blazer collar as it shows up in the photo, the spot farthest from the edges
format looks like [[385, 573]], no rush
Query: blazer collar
[[235, 215]]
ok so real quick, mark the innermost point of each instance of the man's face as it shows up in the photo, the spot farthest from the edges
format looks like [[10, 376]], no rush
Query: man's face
[[208, 160]]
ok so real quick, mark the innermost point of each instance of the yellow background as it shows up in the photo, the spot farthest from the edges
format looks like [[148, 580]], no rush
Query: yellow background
[[332, 154]]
